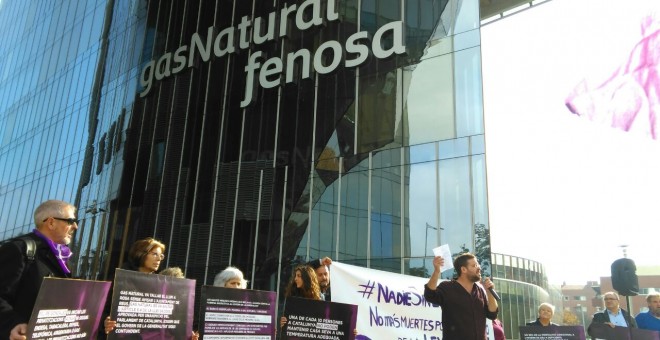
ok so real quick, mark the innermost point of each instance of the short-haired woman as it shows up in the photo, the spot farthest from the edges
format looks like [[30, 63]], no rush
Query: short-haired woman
[[231, 277]]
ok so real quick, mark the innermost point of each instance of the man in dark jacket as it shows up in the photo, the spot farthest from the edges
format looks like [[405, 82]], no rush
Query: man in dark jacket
[[20, 277], [613, 315]]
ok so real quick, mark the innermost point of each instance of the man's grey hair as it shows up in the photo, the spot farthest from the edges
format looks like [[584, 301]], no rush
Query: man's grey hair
[[51, 208], [228, 274], [652, 295], [611, 293]]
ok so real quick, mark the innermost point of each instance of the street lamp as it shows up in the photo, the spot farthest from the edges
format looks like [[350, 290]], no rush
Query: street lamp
[[579, 306], [426, 240]]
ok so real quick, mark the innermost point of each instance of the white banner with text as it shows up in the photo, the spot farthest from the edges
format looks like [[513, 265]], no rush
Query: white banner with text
[[391, 306]]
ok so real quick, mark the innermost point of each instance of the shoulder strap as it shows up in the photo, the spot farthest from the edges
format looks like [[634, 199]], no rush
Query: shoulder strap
[[30, 247]]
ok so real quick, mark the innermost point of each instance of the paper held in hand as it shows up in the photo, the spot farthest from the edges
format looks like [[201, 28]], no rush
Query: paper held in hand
[[444, 251]]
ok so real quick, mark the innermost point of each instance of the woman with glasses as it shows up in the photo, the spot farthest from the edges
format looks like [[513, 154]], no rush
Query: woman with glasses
[[144, 256]]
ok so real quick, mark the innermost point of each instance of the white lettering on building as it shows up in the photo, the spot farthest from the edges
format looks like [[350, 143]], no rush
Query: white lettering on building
[[327, 57]]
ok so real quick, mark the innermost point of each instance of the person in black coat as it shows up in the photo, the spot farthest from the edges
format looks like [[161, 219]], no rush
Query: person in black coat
[[20, 277], [613, 315]]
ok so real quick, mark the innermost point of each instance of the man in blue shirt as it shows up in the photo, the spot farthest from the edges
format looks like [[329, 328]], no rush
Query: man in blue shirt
[[613, 315], [651, 319]]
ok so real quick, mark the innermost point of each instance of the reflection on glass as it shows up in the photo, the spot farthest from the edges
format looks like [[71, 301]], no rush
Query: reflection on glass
[[468, 16], [376, 111], [423, 207], [469, 99], [429, 103]]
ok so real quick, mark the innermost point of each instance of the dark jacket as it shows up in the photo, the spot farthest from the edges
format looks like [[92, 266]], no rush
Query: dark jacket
[[20, 281], [537, 322], [327, 296], [603, 317]]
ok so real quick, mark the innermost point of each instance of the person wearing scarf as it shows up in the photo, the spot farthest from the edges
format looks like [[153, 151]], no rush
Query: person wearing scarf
[[20, 278]]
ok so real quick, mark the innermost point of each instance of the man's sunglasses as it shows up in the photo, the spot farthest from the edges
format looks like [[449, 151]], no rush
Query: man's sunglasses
[[67, 220]]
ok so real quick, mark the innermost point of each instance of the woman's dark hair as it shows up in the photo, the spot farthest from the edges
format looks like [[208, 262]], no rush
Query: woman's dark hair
[[310, 288], [141, 248]]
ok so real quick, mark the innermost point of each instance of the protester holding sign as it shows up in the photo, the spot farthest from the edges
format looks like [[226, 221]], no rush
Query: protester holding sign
[[612, 316], [303, 284], [27, 259], [144, 256], [465, 303]]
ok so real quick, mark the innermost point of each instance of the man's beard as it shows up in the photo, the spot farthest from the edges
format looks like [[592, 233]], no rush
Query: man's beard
[[656, 312], [324, 286], [475, 277]]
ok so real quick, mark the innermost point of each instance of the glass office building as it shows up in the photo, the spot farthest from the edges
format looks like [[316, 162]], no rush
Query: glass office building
[[523, 285], [255, 134]]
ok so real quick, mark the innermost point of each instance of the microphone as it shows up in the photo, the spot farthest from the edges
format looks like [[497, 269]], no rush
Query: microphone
[[494, 293]]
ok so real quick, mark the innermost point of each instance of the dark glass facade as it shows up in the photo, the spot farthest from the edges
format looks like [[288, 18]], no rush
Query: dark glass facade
[[249, 133]]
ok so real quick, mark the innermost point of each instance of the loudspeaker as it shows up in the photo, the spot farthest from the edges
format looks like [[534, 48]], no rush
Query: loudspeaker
[[624, 277]]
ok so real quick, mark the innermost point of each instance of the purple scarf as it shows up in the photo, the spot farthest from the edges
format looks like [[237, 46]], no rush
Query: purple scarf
[[61, 251]]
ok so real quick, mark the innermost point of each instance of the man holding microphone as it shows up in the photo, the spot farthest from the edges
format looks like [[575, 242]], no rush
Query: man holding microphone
[[464, 301]]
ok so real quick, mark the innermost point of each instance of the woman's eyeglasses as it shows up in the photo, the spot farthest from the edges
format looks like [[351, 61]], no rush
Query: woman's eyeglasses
[[156, 255]]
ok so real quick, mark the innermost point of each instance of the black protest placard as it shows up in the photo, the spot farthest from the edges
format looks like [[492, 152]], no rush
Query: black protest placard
[[147, 306], [552, 333], [644, 334], [604, 331], [237, 312], [68, 309], [316, 319]]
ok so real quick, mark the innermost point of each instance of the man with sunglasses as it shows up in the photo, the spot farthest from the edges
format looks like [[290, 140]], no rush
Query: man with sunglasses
[[22, 269]]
